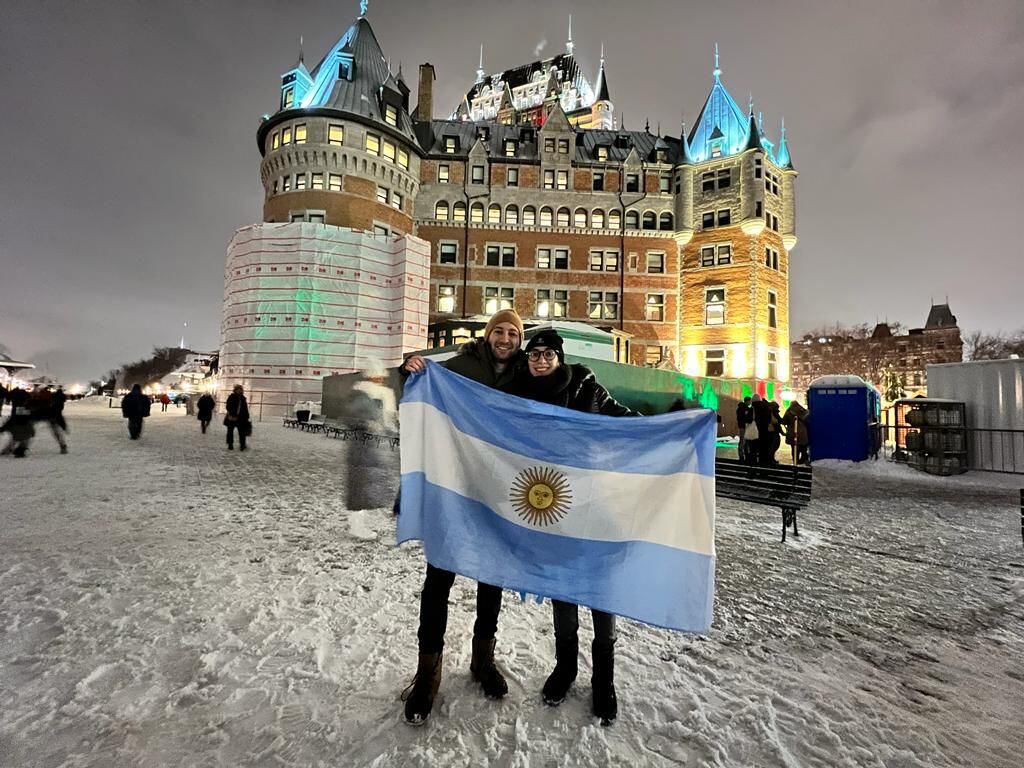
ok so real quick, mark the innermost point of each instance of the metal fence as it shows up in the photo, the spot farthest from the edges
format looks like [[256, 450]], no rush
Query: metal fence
[[947, 450]]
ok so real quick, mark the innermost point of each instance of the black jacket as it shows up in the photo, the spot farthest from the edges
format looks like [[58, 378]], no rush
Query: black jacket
[[237, 409], [204, 407], [135, 405], [571, 386], [475, 361]]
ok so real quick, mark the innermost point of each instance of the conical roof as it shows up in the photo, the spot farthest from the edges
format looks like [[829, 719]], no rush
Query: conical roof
[[602, 85], [720, 119]]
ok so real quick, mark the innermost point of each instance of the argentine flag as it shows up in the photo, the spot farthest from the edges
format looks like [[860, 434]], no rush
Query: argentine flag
[[616, 514]]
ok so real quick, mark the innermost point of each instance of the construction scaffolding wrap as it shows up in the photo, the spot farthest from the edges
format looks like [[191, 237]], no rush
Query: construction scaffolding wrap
[[303, 301]]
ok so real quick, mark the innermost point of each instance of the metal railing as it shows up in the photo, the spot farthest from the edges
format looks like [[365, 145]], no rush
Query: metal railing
[[946, 449]]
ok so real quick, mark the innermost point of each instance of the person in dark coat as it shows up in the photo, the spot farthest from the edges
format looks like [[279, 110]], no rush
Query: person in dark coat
[[774, 435], [764, 417], [55, 416], [135, 407], [237, 417], [492, 361], [18, 424], [798, 432], [744, 416], [548, 379], [204, 410]]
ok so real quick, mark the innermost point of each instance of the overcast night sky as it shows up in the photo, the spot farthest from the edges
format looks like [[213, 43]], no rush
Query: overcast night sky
[[129, 152]]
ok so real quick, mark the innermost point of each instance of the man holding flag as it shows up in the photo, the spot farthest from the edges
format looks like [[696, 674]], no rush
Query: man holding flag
[[491, 361]]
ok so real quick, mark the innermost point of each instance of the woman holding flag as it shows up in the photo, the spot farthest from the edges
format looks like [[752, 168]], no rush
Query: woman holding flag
[[548, 379]]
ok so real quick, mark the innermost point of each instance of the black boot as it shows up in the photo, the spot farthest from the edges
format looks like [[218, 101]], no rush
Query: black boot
[[561, 679], [484, 671], [419, 697], [606, 706]]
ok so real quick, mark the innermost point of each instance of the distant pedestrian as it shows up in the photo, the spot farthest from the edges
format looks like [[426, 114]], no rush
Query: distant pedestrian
[[237, 417], [58, 425], [744, 416], [204, 410], [18, 424], [135, 407], [774, 435], [164, 402]]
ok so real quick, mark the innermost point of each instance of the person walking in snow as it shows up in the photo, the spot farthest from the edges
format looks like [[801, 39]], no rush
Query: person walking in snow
[[492, 361], [548, 379], [237, 417], [204, 411], [164, 402], [55, 416], [135, 407], [797, 433], [18, 424]]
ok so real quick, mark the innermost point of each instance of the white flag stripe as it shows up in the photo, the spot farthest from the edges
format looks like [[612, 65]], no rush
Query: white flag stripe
[[672, 510]]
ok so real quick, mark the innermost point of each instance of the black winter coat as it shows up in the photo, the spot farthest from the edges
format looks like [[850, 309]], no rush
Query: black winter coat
[[475, 361], [204, 408], [237, 408], [571, 386], [135, 405]]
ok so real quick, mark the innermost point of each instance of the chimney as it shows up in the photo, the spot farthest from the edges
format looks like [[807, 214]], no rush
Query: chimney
[[425, 108]]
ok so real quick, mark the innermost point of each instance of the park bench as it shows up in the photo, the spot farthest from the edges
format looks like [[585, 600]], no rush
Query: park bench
[[783, 486], [316, 423], [290, 421]]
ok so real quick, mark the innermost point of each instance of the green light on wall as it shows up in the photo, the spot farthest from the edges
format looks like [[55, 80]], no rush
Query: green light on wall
[[769, 389], [708, 398], [748, 391]]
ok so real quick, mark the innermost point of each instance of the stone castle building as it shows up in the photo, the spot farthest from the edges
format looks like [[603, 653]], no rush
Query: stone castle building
[[906, 355], [531, 195]]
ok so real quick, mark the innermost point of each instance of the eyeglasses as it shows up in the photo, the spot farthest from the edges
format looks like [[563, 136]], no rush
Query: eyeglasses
[[537, 354]]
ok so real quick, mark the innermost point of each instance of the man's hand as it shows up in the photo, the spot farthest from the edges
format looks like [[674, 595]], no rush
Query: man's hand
[[415, 364]]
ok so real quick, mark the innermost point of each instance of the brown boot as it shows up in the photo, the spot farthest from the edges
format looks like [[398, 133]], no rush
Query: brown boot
[[484, 670], [419, 696]]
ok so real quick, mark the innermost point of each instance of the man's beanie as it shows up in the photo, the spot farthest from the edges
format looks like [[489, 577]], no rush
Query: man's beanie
[[504, 316], [547, 338]]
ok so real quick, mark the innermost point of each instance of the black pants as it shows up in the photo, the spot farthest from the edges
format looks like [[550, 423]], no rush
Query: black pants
[[203, 424], [567, 624], [434, 609], [241, 435], [135, 428]]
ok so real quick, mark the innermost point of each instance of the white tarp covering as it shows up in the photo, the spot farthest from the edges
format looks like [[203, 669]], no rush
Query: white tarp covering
[[994, 393], [303, 301]]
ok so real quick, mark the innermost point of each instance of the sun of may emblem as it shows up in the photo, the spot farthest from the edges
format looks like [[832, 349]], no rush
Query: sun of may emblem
[[541, 495]]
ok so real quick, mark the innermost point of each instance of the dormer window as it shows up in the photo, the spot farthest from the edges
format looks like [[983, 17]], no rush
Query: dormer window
[[510, 148], [632, 182], [451, 145], [288, 98], [549, 144], [716, 148], [483, 133], [661, 155], [390, 115], [602, 154], [345, 69]]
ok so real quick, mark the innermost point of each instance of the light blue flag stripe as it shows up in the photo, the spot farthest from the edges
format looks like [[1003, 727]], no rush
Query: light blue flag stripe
[[683, 441], [655, 584]]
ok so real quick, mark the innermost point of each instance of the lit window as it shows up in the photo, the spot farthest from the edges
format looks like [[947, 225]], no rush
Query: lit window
[[451, 145], [403, 159], [300, 181], [580, 218], [597, 219], [286, 136], [478, 174], [511, 215], [602, 154], [546, 217], [549, 179], [275, 140], [389, 150], [549, 144], [510, 148], [372, 144], [562, 217], [459, 211], [396, 200], [603, 305], [725, 254], [446, 298], [494, 214], [334, 182], [441, 210], [665, 184], [448, 253], [543, 258], [286, 183], [714, 306], [529, 216], [563, 180], [552, 303], [773, 364], [563, 146], [300, 133], [513, 177], [476, 213], [335, 135], [773, 312], [655, 263], [390, 115], [288, 99], [614, 219], [316, 181], [496, 299], [443, 174], [714, 362], [707, 256], [382, 195], [654, 308]]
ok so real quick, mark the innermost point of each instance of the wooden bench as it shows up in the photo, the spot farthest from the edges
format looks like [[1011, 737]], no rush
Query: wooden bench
[[783, 486]]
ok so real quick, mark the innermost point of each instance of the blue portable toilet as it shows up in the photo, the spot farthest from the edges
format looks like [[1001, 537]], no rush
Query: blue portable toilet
[[844, 416]]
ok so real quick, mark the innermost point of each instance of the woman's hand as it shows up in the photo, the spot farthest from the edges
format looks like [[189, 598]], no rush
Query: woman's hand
[[415, 364]]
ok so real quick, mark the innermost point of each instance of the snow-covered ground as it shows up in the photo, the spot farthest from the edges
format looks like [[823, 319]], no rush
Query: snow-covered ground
[[167, 603]]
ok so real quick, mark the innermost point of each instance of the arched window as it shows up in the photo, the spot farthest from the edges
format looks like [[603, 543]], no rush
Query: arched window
[[579, 218], [459, 211], [650, 220], [441, 210], [562, 219], [632, 220], [511, 215], [494, 214], [476, 213], [665, 222], [614, 219], [529, 216], [597, 219], [545, 216]]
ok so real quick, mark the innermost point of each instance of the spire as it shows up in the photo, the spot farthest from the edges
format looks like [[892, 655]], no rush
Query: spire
[[785, 161], [647, 125], [684, 145], [363, 5], [717, 72], [302, 58], [753, 134], [602, 80], [569, 45], [750, 104], [480, 66]]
